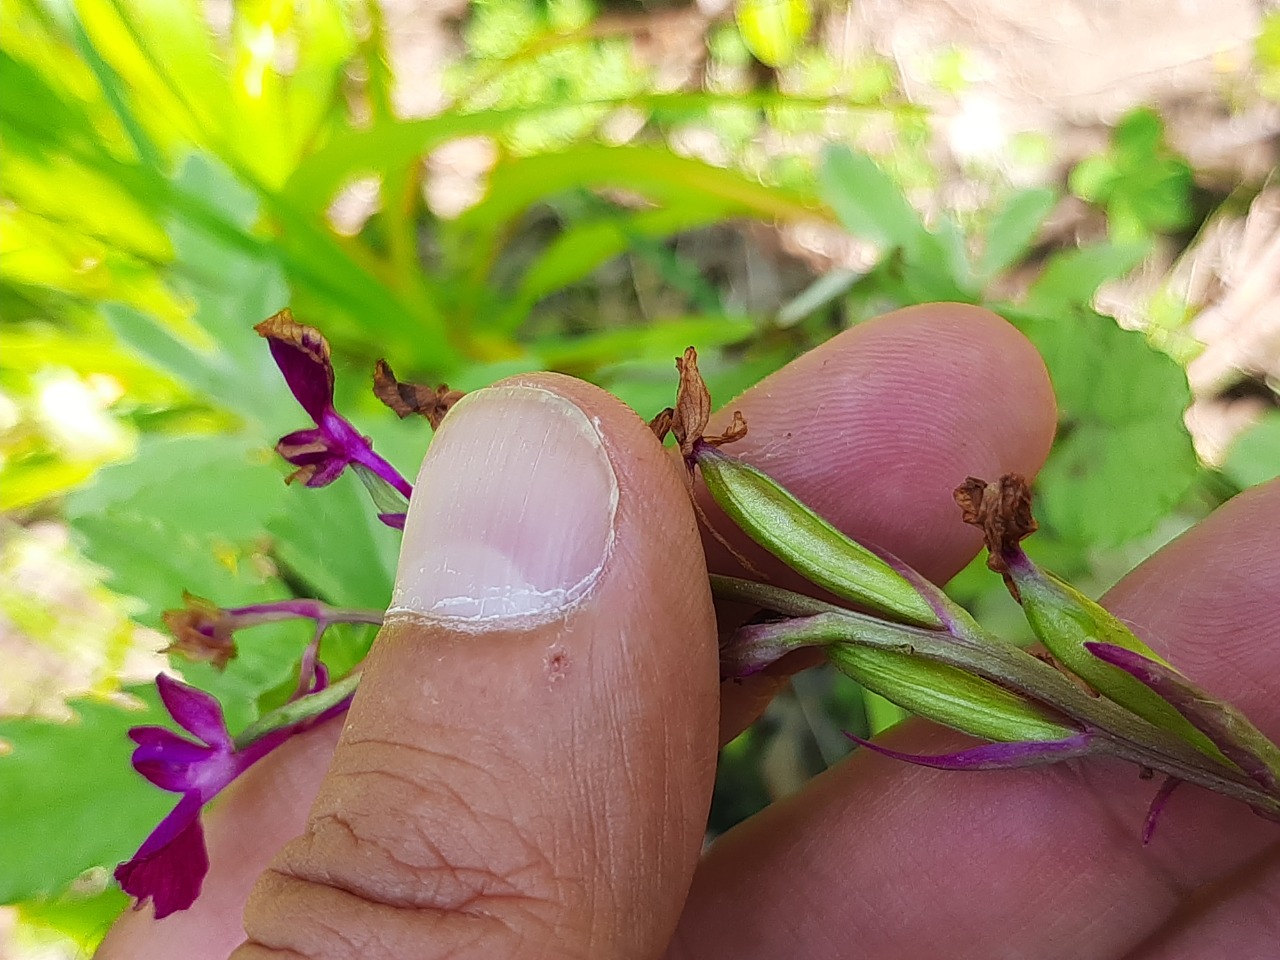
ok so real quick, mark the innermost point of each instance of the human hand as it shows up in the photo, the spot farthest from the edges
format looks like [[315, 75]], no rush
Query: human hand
[[536, 786]]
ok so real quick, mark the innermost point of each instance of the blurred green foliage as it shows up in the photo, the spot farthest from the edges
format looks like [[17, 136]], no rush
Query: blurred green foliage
[[1266, 52], [1142, 182], [168, 184]]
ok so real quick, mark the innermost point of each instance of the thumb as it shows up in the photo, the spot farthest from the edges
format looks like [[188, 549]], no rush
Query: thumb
[[526, 769]]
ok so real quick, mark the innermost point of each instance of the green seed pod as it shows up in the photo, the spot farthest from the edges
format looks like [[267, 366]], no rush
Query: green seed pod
[[807, 543], [1064, 620], [882, 657], [948, 695], [1229, 729]]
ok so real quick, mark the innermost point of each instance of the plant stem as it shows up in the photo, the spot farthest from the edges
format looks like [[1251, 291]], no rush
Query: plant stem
[[301, 608], [1124, 734], [298, 711]]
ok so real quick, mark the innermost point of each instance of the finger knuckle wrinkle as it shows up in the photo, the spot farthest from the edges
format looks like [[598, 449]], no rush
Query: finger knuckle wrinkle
[[401, 852]]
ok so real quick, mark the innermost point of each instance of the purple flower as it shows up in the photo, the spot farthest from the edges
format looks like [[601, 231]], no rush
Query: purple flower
[[170, 866], [321, 452]]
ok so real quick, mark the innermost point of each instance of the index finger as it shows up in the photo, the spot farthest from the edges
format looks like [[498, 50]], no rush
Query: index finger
[[873, 430]]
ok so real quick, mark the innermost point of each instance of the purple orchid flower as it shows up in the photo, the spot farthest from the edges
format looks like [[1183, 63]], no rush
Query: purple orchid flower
[[322, 452], [170, 866]]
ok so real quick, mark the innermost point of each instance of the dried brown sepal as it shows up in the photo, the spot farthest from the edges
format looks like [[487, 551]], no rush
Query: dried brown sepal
[[410, 398], [1002, 510], [661, 424], [736, 430], [201, 630], [687, 421]]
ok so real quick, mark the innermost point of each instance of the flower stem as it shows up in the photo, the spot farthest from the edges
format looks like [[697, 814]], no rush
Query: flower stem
[[1124, 734], [301, 609], [298, 711], [370, 458]]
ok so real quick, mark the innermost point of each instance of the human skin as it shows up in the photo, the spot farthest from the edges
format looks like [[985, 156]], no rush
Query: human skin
[[539, 789]]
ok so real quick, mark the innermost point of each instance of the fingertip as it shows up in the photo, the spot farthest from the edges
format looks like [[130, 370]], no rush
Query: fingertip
[[876, 427]]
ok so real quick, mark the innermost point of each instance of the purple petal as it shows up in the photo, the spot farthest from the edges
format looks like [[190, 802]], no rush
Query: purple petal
[[176, 776], [993, 756], [303, 446], [1158, 803], [170, 866], [393, 520], [167, 760], [302, 355], [327, 471], [194, 710], [159, 739], [321, 453], [1228, 729]]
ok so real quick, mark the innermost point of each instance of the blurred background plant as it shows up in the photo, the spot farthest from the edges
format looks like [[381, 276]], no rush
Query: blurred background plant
[[477, 190]]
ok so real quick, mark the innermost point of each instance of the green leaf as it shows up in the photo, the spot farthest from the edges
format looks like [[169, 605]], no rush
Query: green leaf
[[1144, 184], [1013, 229], [1093, 178], [69, 799], [698, 190], [192, 514], [210, 486], [34, 479], [148, 337], [822, 291], [1106, 484], [42, 111], [661, 175], [1073, 277], [937, 269], [331, 541], [1254, 457], [1105, 373], [867, 202], [232, 289], [645, 385], [663, 341], [380, 149], [774, 30], [1123, 458], [82, 919], [585, 246]]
